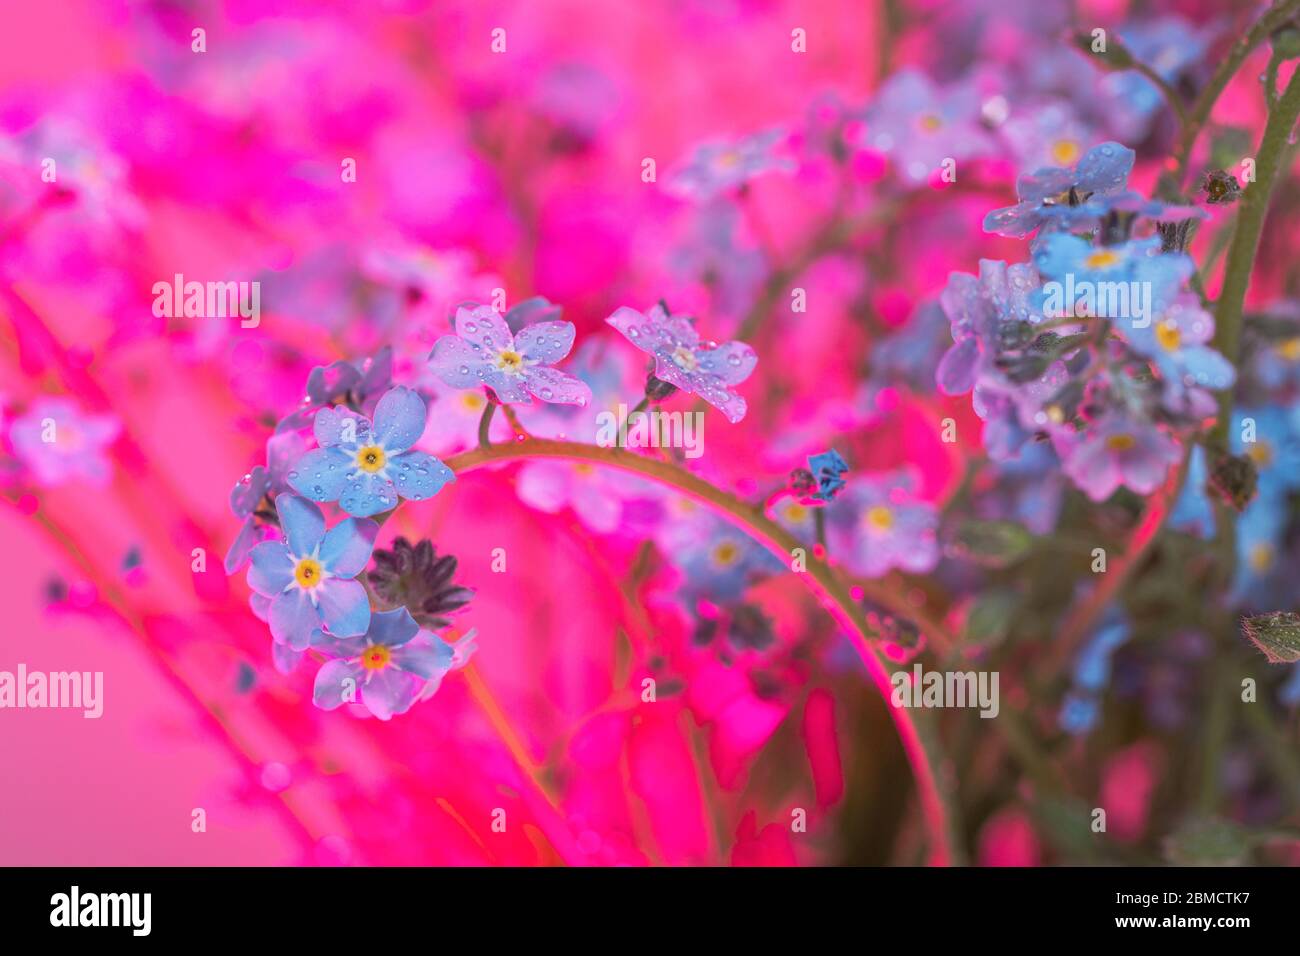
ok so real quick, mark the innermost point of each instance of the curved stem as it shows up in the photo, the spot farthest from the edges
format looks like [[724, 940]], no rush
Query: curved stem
[[485, 424], [916, 735]]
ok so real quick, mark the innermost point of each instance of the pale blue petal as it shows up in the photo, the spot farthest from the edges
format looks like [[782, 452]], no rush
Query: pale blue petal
[[344, 607], [552, 385], [389, 692], [302, 523], [545, 342], [418, 475], [399, 419], [336, 684], [427, 657], [368, 495], [340, 426], [457, 363], [321, 474], [392, 628], [346, 547], [293, 617], [243, 544], [271, 569], [482, 326]]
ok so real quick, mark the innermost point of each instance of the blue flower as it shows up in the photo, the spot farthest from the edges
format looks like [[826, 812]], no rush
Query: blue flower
[[309, 575], [1055, 198], [920, 125], [1260, 560], [706, 369], [1091, 673], [1273, 446], [717, 167], [1130, 282], [389, 668], [483, 352], [827, 469], [365, 468], [876, 525], [1176, 341]]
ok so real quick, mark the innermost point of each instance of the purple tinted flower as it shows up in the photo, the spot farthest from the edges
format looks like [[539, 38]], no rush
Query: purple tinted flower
[[308, 576], [717, 167], [705, 369], [1046, 135], [353, 382], [920, 125], [282, 452], [61, 444], [387, 669], [1061, 198], [984, 311], [365, 468], [483, 352], [1114, 451], [876, 525]]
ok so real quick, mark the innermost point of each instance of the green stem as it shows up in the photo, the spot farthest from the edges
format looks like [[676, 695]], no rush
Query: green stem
[[485, 425], [1278, 14], [915, 729], [641, 406]]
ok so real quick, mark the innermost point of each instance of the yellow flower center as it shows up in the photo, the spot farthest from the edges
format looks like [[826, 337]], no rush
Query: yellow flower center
[[1102, 259], [584, 469], [685, 359], [508, 360], [1261, 557], [1261, 453], [370, 458], [1065, 152], [308, 573], [880, 518], [795, 513], [729, 160], [1120, 442], [1290, 349], [376, 657], [726, 554], [1168, 336], [930, 123], [473, 401]]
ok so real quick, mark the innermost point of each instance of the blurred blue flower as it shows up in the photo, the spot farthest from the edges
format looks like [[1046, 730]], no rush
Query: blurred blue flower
[[876, 525], [920, 125], [1058, 198]]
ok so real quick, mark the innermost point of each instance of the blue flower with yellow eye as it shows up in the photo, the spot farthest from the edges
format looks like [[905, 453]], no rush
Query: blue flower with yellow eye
[[366, 467], [309, 576]]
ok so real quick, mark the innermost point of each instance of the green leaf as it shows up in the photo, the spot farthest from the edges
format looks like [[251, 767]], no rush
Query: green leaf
[[1276, 634], [1208, 842], [990, 617], [991, 544]]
